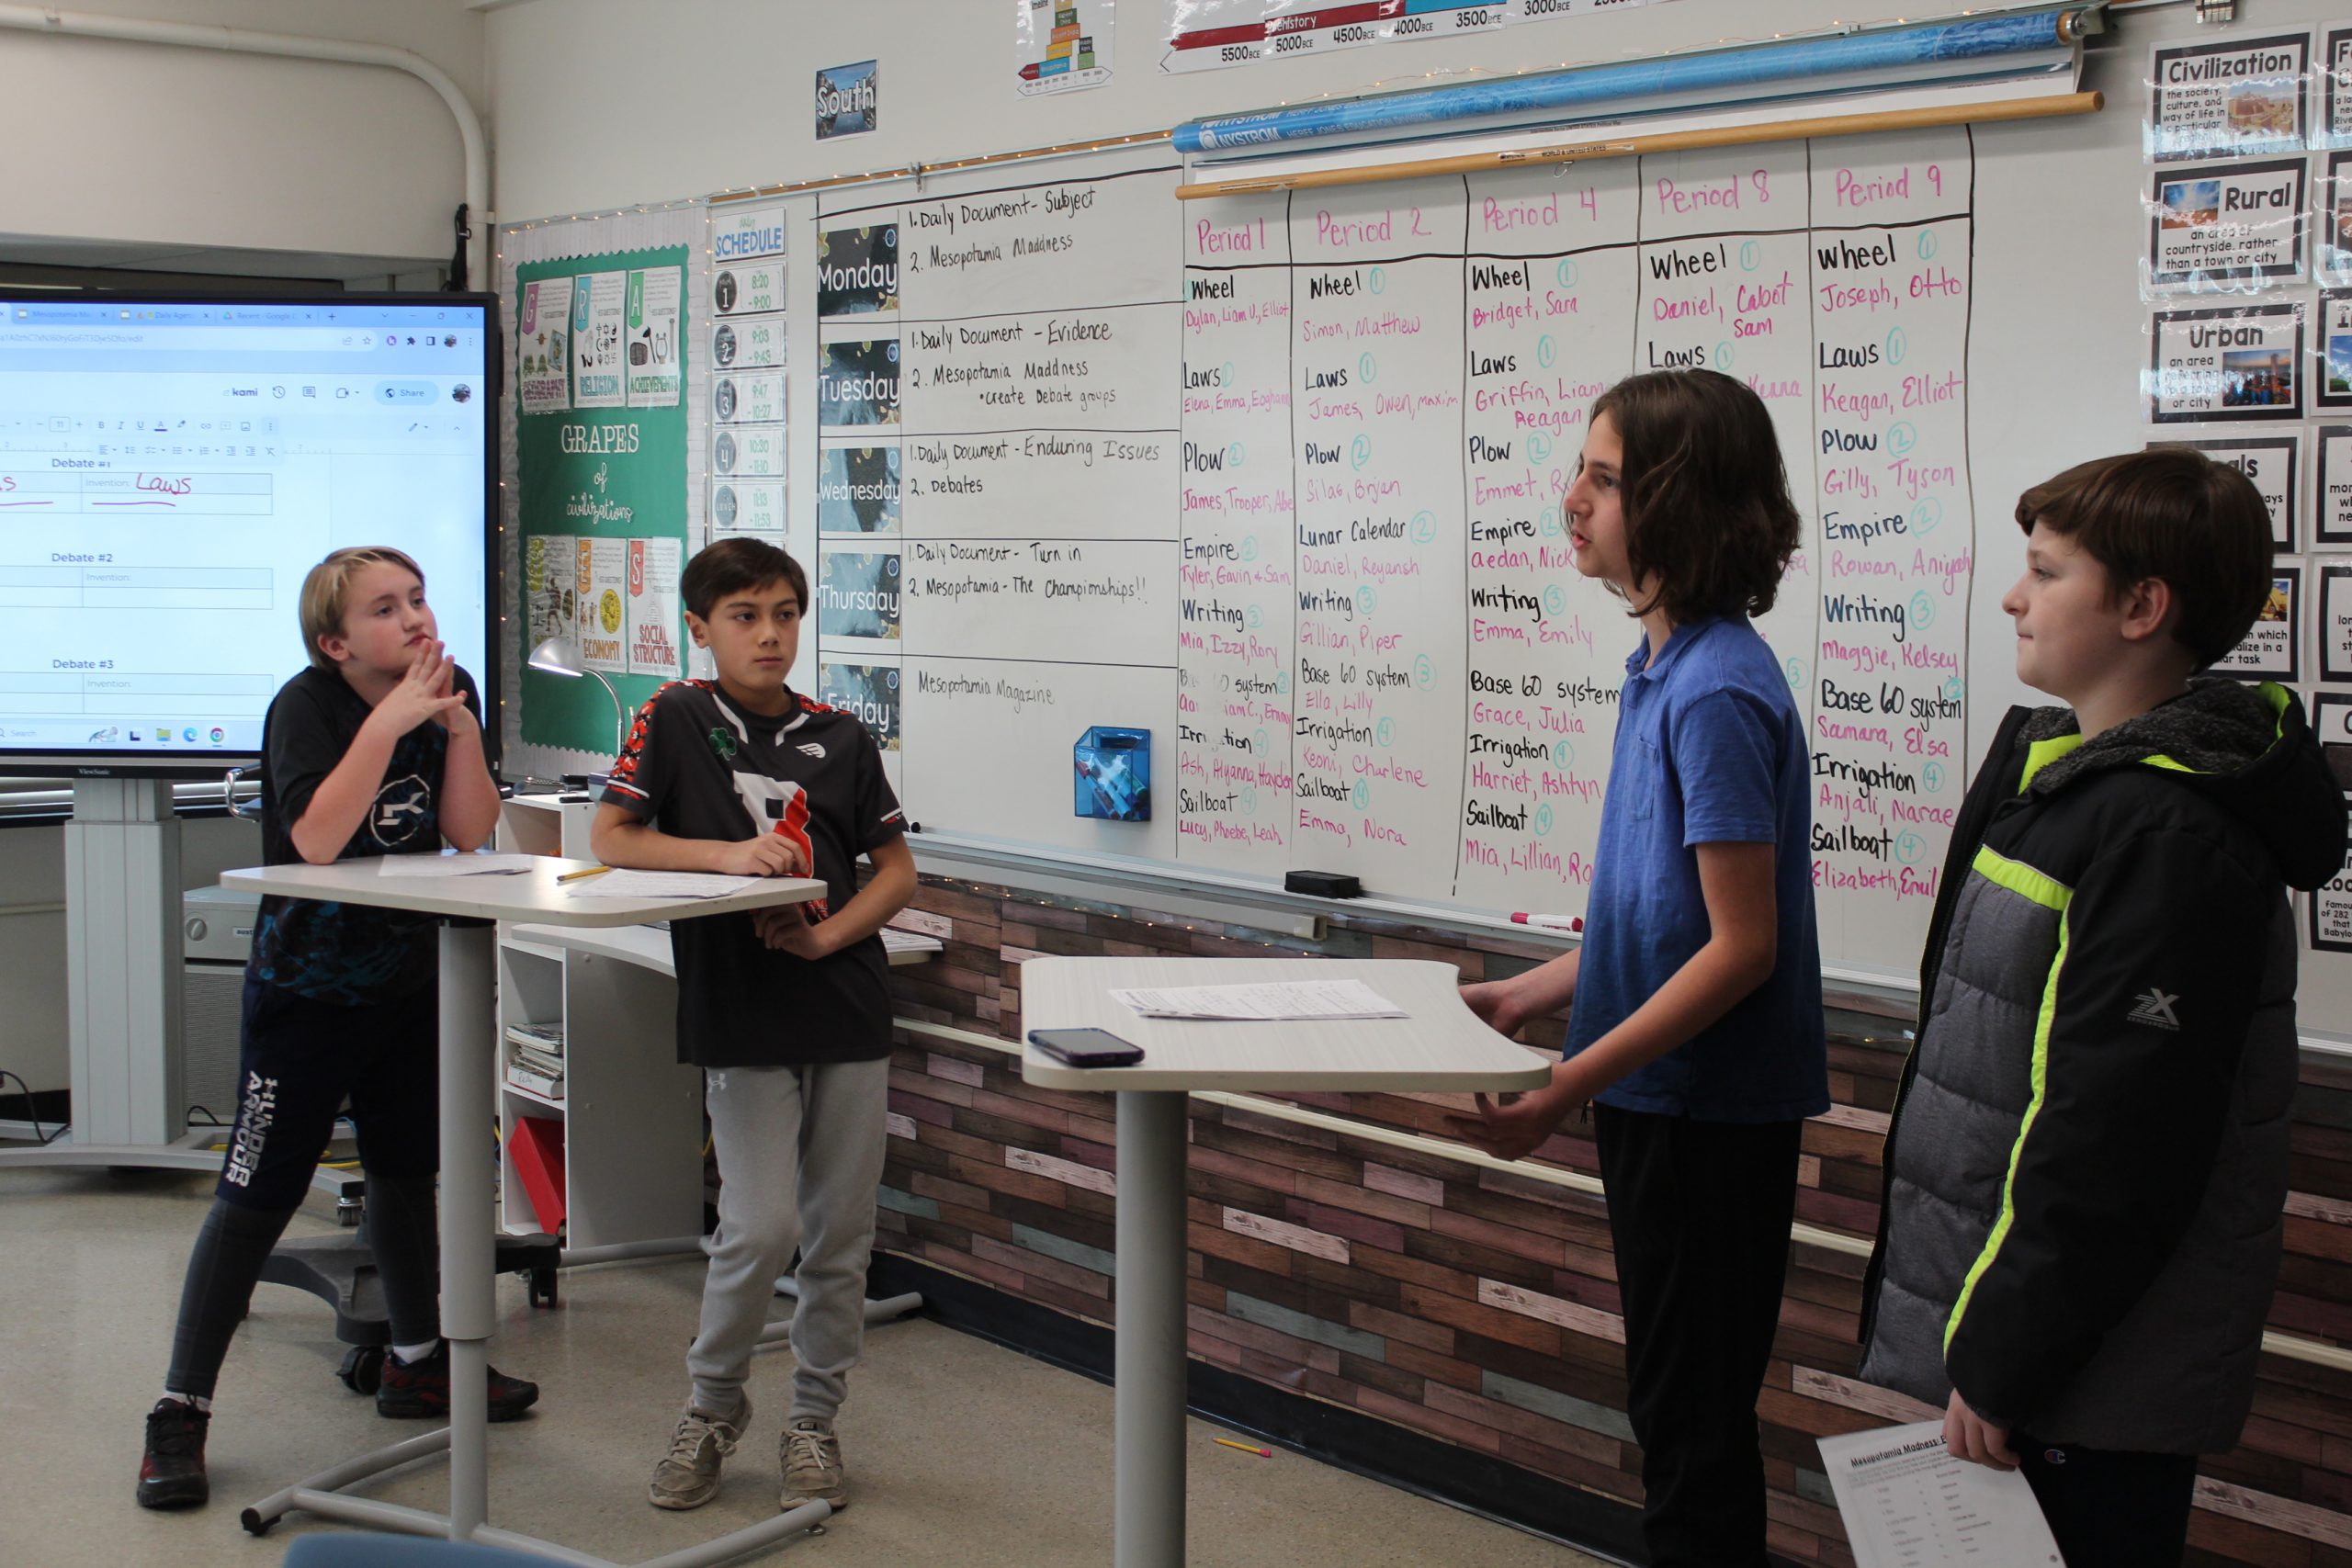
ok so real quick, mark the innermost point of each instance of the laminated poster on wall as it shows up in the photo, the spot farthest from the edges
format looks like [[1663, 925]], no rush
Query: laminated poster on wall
[[2334, 586], [604, 582], [550, 585], [2332, 494], [2331, 905], [2227, 98], [858, 271], [849, 99], [1060, 46], [747, 288], [2335, 389], [2271, 463], [857, 595], [1212, 35], [869, 691], [858, 490], [857, 383], [543, 346], [2331, 220], [747, 343], [652, 350], [2230, 363], [740, 235], [599, 304], [751, 397], [2334, 127], [2269, 650], [753, 452], [652, 620], [747, 507], [2216, 227]]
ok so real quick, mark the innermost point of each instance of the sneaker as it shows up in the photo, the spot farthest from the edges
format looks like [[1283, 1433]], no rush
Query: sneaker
[[812, 1464], [171, 1473], [408, 1390], [687, 1477]]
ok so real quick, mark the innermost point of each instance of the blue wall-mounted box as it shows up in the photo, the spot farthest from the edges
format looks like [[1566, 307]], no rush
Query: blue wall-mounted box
[[1110, 769]]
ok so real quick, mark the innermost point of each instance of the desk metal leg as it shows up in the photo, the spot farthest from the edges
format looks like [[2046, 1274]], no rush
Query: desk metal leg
[[468, 1293], [1150, 1319]]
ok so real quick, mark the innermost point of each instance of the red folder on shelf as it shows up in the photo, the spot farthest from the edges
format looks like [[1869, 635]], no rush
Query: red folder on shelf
[[537, 1146]]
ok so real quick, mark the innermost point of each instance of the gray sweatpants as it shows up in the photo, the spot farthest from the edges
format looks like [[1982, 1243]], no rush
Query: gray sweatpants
[[799, 1158]]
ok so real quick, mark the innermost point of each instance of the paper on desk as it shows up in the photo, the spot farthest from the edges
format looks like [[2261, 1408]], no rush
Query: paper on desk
[[455, 865], [1266, 999], [620, 884], [1907, 1502]]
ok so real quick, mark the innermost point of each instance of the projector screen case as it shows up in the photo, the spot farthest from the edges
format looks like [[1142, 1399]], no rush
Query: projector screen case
[[171, 463]]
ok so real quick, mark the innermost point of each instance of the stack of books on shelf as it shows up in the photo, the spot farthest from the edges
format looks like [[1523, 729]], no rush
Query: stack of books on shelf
[[534, 1058]]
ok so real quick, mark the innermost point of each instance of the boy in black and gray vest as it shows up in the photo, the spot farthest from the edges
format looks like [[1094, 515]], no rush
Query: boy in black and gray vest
[[788, 1010], [2089, 1154]]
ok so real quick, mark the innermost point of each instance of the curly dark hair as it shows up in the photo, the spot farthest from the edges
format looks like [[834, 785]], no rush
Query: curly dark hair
[[1705, 491]]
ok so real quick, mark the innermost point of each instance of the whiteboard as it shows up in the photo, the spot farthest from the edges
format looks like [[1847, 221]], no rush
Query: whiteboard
[[1277, 478]]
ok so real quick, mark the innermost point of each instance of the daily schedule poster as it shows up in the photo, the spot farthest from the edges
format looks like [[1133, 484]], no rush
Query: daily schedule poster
[[748, 395]]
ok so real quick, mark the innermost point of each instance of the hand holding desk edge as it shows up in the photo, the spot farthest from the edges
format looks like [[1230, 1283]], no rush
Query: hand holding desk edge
[[468, 1030], [1440, 1044]]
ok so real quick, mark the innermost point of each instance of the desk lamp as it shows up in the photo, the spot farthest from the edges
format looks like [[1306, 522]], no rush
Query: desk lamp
[[561, 656]]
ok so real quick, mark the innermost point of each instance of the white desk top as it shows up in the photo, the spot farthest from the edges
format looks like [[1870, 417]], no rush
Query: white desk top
[[1441, 1046], [650, 948], [532, 896]]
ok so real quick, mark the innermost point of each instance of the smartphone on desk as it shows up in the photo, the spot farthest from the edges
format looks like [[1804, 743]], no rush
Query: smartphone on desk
[[1086, 1047]]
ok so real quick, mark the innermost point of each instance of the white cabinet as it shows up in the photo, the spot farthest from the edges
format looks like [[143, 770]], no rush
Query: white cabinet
[[631, 1115]]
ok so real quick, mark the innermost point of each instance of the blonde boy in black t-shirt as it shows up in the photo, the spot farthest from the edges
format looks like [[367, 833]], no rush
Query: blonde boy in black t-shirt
[[375, 750], [787, 1010]]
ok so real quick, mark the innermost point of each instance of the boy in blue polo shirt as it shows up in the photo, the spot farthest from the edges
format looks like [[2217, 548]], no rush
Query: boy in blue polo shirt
[[1697, 1028]]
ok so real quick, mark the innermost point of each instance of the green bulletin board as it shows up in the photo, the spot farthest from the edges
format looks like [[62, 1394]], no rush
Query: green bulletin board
[[601, 464]]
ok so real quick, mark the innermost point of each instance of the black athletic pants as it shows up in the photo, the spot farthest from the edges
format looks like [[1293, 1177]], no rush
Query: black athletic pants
[[2111, 1509], [1700, 1213], [298, 1060]]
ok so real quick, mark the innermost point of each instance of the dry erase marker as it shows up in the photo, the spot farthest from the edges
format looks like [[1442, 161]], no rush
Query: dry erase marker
[[1247, 1448], [576, 876], [1570, 923]]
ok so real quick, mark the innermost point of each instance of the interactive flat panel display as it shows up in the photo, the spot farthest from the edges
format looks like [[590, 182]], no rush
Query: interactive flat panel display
[[171, 467]]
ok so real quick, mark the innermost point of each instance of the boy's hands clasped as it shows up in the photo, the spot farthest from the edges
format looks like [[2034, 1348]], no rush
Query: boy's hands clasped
[[429, 691]]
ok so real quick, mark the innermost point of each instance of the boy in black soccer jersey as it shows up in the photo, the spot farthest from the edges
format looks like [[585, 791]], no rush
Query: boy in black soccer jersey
[[376, 750], [789, 1009]]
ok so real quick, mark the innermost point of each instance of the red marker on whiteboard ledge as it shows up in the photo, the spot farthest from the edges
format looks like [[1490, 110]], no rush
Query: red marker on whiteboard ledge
[[1568, 923]]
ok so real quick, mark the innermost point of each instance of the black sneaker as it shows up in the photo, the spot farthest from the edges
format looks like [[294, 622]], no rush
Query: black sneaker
[[171, 1473], [407, 1391]]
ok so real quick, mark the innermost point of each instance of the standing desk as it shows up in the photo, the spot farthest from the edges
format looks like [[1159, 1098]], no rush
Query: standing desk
[[1441, 1045], [468, 1051]]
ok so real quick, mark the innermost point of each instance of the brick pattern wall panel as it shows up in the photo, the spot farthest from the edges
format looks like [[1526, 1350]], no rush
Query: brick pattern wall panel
[[1478, 1305]]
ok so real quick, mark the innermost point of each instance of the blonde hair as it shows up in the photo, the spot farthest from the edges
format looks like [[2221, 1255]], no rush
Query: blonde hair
[[325, 589]]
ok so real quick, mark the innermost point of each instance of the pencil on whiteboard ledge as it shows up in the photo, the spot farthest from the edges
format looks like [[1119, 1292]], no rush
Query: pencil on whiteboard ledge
[[1568, 923]]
